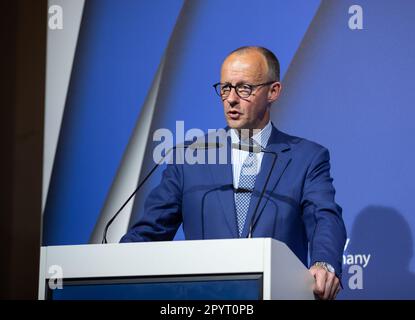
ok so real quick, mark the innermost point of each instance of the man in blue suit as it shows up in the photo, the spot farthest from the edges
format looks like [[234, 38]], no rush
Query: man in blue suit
[[217, 201]]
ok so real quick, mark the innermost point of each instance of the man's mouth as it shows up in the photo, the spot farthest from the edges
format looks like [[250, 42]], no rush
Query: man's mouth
[[233, 114]]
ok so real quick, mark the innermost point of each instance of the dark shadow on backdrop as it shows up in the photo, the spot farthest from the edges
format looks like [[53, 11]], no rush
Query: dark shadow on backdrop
[[23, 39], [174, 55], [383, 233]]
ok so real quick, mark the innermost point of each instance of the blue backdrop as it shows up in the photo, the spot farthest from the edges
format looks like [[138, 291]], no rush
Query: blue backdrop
[[350, 90]]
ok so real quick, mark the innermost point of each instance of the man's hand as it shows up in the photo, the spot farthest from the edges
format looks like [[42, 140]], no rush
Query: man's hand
[[327, 285]]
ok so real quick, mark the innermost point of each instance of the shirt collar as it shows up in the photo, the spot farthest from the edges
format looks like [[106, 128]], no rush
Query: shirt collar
[[260, 137]]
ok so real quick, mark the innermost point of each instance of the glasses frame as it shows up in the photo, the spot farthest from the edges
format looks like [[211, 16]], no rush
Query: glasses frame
[[252, 86]]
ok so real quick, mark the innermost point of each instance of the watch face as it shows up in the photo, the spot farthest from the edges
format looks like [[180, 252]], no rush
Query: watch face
[[326, 266], [330, 268]]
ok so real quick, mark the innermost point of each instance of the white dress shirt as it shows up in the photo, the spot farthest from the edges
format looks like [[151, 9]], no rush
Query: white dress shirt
[[239, 156]]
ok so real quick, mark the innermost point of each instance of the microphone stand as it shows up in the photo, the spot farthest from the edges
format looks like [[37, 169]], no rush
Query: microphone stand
[[251, 226], [255, 147], [202, 215], [104, 238], [194, 145]]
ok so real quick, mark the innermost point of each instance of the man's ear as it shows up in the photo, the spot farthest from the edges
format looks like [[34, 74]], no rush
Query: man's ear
[[274, 91]]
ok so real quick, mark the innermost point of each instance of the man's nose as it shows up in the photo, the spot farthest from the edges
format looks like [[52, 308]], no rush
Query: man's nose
[[233, 97]]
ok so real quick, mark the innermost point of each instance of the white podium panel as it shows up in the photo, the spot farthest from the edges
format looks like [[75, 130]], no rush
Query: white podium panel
[[283, 276]]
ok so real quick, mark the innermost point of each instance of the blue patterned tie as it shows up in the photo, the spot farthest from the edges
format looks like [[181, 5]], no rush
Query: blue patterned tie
[[245, 188]]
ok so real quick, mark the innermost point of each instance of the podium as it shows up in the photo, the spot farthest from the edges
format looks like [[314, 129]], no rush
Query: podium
[[258, 268]]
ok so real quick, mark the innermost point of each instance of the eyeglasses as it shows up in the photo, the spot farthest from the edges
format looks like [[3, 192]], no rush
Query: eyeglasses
[[243, 90]]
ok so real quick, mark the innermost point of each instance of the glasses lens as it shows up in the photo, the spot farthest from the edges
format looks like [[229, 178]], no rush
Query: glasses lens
[[224, 90], [244, 90]]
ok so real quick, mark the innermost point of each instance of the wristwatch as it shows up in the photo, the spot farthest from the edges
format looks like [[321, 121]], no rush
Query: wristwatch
[[328, 267]]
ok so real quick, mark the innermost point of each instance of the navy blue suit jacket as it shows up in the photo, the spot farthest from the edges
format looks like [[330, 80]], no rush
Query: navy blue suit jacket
[[298, 207]]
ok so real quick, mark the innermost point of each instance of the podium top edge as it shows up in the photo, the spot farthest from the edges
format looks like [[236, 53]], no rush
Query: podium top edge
[[170, 243]]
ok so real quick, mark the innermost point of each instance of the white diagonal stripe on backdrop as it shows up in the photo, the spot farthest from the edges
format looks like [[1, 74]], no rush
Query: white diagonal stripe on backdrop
[[61, 45], [126, 179]]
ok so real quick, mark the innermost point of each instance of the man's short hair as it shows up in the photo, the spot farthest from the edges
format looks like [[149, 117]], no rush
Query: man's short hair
[[270, 57]]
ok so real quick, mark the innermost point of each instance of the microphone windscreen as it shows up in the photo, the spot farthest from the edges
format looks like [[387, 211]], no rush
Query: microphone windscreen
[[247, 147], [205, 145]]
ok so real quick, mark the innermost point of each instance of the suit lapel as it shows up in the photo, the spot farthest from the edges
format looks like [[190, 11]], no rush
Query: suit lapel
[[278, 144], [223, 179]]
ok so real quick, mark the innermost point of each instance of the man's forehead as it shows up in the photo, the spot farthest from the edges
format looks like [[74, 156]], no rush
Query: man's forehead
[[251, 57], [250, 67]]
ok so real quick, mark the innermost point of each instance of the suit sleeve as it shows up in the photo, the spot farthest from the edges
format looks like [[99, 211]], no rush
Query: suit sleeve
[[162, 210], [322, 216]]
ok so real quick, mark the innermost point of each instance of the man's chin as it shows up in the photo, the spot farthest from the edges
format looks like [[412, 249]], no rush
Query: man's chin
[[239, 127], [235, 124]]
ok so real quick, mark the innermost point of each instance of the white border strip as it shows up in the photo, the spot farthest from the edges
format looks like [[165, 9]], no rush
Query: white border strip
[[61, 46]]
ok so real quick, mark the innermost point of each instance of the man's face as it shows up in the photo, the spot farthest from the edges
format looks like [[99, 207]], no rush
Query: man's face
[[252, 112]]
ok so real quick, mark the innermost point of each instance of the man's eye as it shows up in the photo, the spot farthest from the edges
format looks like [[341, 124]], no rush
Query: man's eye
[[244, 87]]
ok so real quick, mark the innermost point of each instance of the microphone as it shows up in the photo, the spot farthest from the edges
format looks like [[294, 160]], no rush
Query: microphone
[[255, 147], [247, 147], [204, 145], [194, 145]]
